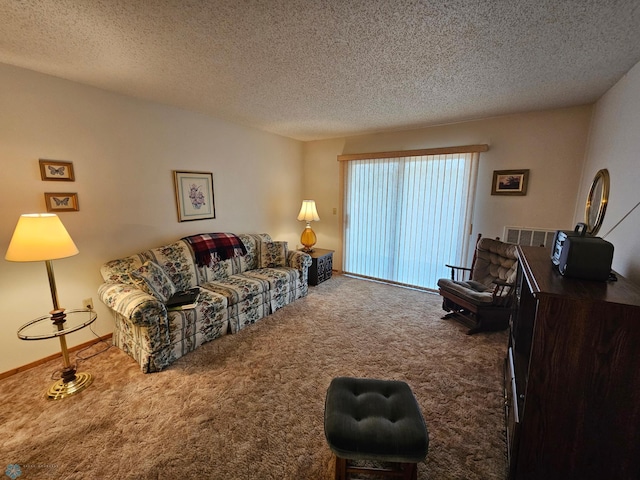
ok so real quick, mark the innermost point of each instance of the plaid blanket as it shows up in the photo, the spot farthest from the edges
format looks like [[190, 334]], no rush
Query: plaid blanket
[[210, 248]]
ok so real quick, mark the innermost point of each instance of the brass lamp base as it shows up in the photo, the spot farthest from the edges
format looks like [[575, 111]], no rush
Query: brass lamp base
[[71, 381], [308, 238], [62, 389]]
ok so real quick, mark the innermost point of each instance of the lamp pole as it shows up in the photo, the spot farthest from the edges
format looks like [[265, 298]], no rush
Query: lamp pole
[[59, 317]]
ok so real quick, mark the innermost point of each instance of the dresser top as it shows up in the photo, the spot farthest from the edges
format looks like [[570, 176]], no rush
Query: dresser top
[[545, 279]]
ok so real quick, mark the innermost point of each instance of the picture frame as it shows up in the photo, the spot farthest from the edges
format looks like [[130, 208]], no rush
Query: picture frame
[[510, 182], [194, 195], [56, 170], [61, 202]]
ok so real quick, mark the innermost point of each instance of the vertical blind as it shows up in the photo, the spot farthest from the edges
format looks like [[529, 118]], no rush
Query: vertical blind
[[407, 216]]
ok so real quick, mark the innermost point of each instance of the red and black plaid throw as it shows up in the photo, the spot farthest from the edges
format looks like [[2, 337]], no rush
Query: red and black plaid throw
[[215, 247]]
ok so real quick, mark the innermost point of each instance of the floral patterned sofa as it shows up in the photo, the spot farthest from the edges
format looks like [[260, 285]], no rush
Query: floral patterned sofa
[[236, 290]]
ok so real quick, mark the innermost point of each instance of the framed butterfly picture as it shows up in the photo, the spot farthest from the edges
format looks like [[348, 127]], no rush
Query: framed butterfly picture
[[56, 170], [61, 202]]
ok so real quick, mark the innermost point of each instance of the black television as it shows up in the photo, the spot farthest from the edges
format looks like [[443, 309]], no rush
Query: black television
[[579, 255]]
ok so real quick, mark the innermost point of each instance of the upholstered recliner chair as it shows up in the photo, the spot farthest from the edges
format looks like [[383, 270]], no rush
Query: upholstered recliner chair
[[487, 297]]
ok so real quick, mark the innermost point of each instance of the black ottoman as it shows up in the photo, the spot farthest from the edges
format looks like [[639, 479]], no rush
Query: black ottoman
[[376, 420]]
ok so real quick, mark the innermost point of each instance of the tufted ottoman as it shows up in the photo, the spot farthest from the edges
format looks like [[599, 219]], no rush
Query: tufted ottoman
[[374, 420]]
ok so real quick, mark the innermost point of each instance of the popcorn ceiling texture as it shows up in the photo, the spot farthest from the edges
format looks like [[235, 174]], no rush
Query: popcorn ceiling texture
[[328, 68]]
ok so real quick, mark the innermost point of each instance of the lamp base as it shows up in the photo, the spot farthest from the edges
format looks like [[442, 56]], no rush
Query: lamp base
[[308, 238], [62, 389]]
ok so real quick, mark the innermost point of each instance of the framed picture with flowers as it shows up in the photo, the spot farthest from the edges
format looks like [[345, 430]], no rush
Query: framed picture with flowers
[[194, 195]]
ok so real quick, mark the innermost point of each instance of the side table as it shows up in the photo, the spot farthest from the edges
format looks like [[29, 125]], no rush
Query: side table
[[58, 324], [322, 266]]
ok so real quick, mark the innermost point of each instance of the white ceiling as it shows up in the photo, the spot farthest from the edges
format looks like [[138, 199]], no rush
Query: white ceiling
[[313, 69]]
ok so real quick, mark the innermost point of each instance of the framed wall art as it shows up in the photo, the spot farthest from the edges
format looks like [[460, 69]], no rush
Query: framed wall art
[[61, 202], [194, 195], [510, 182], [56, 170]]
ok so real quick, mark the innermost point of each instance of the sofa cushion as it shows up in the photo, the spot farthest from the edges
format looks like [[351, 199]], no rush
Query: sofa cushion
[[253, 244], [276, 277], [237, 288], [151, 278], [273, 254], [176, 260], [283, 284]]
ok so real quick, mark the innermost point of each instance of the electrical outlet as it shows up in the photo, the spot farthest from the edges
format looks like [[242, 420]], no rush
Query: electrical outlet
[[87, 303]]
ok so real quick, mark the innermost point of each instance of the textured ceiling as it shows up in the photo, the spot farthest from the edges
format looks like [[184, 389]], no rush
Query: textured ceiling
[[312, 69]]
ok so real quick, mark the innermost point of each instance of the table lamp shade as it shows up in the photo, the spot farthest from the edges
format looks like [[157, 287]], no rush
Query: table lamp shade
[[308, 211], [39, 237]]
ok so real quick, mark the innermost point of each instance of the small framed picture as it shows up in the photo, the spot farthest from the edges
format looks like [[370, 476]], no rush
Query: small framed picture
[[56, 170], [61, 202], [194, 195], [510, 182]]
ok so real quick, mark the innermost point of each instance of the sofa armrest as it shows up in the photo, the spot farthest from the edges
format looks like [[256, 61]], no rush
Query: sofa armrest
[[133, 303], [298, 260]]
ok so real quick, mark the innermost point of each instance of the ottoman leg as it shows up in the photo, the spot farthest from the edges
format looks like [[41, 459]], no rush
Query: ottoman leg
[[410, 471], [341, 468]]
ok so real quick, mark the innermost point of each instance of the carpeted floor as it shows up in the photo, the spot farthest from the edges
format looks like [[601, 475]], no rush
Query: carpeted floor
[[250, 406]]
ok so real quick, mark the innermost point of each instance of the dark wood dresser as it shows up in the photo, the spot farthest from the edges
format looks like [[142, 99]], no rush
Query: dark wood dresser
[[322, 266], [572, 375]]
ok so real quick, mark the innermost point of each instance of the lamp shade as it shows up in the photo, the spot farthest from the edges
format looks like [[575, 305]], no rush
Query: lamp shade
[[308, 211], [39, 237]]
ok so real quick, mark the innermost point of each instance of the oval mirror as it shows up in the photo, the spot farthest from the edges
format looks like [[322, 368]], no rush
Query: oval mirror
[[597, 202]]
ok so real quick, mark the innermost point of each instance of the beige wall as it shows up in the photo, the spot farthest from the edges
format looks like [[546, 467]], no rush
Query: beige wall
[[550, 143], [614, 144], [123, 152]]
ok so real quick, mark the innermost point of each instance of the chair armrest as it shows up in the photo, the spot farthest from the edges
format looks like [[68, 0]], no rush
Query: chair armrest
[[457, 268], [502, 292], [133, 303], [457, 273]]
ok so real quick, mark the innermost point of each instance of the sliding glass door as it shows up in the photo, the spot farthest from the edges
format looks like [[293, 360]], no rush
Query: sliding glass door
[[406, 216]]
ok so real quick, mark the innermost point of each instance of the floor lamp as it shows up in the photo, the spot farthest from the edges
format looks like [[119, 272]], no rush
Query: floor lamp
[[42, 237]]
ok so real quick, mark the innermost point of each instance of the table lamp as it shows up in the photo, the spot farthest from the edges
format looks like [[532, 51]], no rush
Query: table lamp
[[308, 213], [42, 237]]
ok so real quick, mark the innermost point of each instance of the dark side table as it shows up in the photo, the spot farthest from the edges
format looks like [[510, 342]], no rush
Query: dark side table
[[321, 266]]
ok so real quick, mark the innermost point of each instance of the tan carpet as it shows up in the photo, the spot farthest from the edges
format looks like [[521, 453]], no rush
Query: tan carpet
[[250, 406]]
